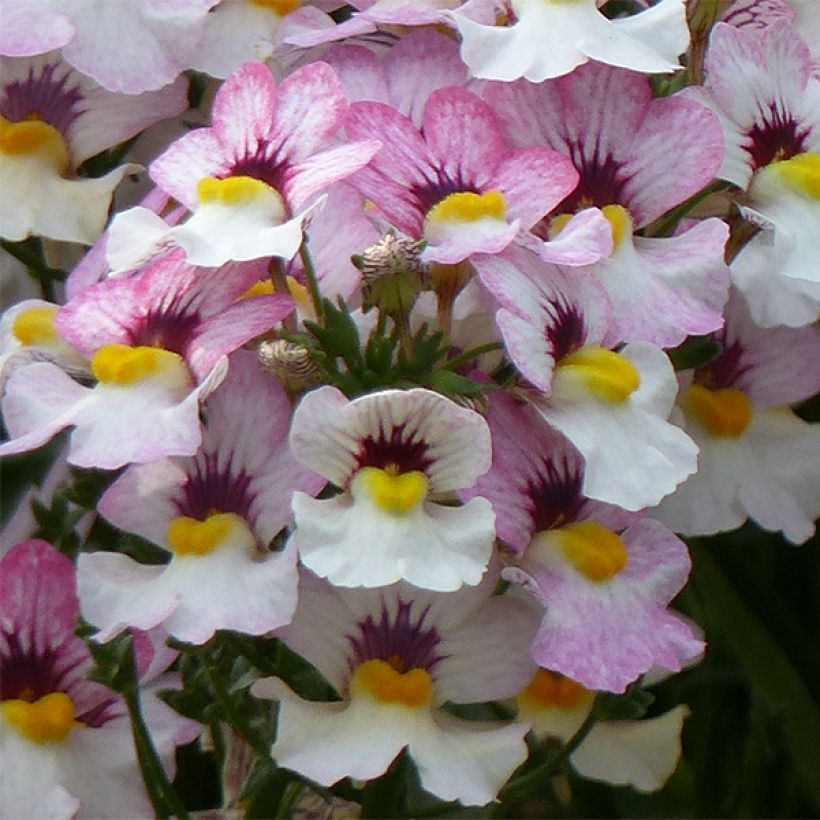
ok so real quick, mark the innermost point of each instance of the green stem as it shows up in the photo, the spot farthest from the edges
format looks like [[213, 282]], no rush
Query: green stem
[[32, 258], [242, 646], [163, 796], [523, 785], [472, 353], [312, 281], [673, 217]]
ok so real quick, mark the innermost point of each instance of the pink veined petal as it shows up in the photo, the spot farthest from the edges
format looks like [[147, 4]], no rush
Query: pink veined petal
[[244, 107], [311, 107], [317, 172], [32, 28], [463, 135], [360, 71]]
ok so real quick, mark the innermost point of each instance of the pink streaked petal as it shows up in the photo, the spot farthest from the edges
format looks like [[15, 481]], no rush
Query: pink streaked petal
[[585, 239], [308, 27], [33, 28], [757, 13], [243, 109], [229, 329], [673, 127], [360, 71], [310, 108], [37, 592], [191, 158], [463, 135], [421, 62], [533, 181], [314, 174], [527, 346]]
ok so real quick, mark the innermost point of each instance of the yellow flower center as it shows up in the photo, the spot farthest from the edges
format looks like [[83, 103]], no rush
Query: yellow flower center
[[594, 550], [35, 326], [466, 206], [801, 174], [46, 720], [190, 536], [620, 221], [594, 370], [726, 412], [34, 138], [281, 7], [124, 365], [394, 492], [550, 689], [383, 683]]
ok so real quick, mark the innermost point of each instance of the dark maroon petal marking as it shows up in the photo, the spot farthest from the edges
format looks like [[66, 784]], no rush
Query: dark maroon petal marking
[[601, 183], [399, 450], [400, 641], [726, 369], [554, 495], [171, 330], [261, 162], [431, 194], [210, 487], [778, 137], [565, 331], [51, 98]]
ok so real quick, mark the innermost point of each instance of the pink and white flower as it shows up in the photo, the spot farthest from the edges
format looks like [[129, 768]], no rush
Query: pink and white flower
[[52, 119], [612, 405], [392, 453], [758, 459], [250, 181], [605, 575], [216, 513], [396, 655], [65, 742], [157, 343], [458, 184]]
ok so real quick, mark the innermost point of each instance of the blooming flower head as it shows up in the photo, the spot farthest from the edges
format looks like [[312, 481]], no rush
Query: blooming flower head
[[395, 655], [66, 742], [157, 343], [249, 178], [457, 184], [216, 513], [392, 453], [52, 119], [604, 575]]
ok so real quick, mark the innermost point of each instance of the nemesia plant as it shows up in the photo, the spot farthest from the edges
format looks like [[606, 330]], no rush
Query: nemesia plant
[[419, 387]]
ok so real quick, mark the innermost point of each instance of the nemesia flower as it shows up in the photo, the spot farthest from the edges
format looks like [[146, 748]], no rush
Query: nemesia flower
[[392, 453], [757, 459], [157, 343], [457, 184], [215, 512], [549, 39], [123, 47], [620, 139], [757, 13], [611, 405], [51, 120], [760, 84], [65, 742], [639, 753], [604, 575], [396, 655], [249, 180]]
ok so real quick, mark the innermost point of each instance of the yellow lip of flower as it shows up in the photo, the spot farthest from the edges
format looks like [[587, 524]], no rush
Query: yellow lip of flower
[[396, 493], [280, 7], [594, 550], [380, 681], [620, 222], [35, 326], [466, 206], [33, 137], [800, 174], [46, 720], [119, 364], [596, 371], [725, 413], [192, 537], [551, 690]]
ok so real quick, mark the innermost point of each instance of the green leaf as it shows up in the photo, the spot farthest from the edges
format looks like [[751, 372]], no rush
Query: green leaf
[[453, 384], [772, 674], [696, 351]]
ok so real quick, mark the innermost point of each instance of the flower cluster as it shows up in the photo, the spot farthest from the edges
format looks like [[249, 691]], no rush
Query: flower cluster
[[415, 337]]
